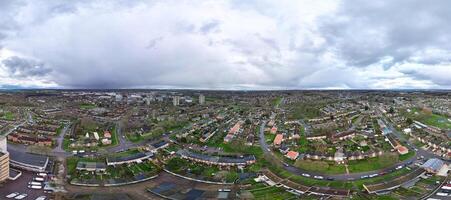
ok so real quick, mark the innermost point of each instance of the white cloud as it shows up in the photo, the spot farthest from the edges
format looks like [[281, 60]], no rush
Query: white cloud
[[220, 44]]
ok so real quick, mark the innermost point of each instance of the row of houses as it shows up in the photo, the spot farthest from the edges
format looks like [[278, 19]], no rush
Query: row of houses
[[272, 179], [233, 131], [217, 160], [30, 140], [138, 157]]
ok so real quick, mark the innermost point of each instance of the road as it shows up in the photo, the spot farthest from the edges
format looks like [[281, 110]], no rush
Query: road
[[60, 139], [123, 143]]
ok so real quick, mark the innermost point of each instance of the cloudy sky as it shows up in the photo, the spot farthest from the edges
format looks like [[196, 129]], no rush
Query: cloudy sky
[[217, 44]]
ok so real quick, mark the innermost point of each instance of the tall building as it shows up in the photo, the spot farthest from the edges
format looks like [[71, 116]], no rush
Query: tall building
[[176, 100], [4, 160], [201, 99]]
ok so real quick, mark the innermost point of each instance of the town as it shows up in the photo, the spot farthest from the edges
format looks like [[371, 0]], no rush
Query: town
[[213, 144]]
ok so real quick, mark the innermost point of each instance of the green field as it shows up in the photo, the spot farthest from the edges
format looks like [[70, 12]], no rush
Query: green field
[[431, 119], [372, 164], [320, 166], [87, 106], [8, 116]]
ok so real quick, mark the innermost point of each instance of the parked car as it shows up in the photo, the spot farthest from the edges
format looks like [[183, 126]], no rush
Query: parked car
[[22, 196], [318, 177], [12, 195], [306, 175]]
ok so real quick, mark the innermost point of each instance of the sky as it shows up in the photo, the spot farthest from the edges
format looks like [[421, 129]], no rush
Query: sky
[[218, 44]]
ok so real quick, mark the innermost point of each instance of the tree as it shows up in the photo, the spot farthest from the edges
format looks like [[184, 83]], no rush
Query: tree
[[392, 110], [409, 121]]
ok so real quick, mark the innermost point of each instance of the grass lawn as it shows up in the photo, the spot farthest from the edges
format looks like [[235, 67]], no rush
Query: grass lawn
[[269, 138], [125, 153], [372, 164], [431, 119], [272, 193], [277, 101], [320, 166], [87, 106], [407, 155], [8, 116], [161, 128], [303, 142]]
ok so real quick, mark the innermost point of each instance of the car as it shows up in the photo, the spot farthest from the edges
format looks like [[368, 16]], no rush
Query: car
[[362, 177], [306, 175], [442, 194], [373, 175], [39, 179], [21, 196], [318, 177], [41, 198], [285, 164], [330, 179], [12, 195]]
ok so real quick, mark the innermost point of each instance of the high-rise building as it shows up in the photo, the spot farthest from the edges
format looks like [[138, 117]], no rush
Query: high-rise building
[[176, 100], [4, 160], [201, 99]]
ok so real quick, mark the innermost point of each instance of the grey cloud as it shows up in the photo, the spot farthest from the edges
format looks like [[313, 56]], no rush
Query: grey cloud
[[153, 42], [366, 31], [21, 68], [210, 26]]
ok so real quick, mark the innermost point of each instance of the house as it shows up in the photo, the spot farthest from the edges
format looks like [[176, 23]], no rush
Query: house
[[273, 130], [293, 155], [96, 135], [106, 141], [433, 165], [107, 134], [402, 150], [278, 140]]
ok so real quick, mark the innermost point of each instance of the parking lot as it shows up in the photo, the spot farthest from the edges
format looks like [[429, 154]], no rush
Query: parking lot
[[21, 186]]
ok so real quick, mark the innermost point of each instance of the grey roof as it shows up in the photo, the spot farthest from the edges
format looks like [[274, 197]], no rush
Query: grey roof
[[433, 164], [139, 155], [91, 165], [28, 159], [217, 159]]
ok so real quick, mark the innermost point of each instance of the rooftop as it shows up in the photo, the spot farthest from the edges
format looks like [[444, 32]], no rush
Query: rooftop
[[28, 159]]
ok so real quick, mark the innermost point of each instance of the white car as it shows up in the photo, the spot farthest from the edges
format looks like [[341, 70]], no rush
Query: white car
[[319, 177], [306, 175], [22, 196], [12, 195], [41, 198]]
